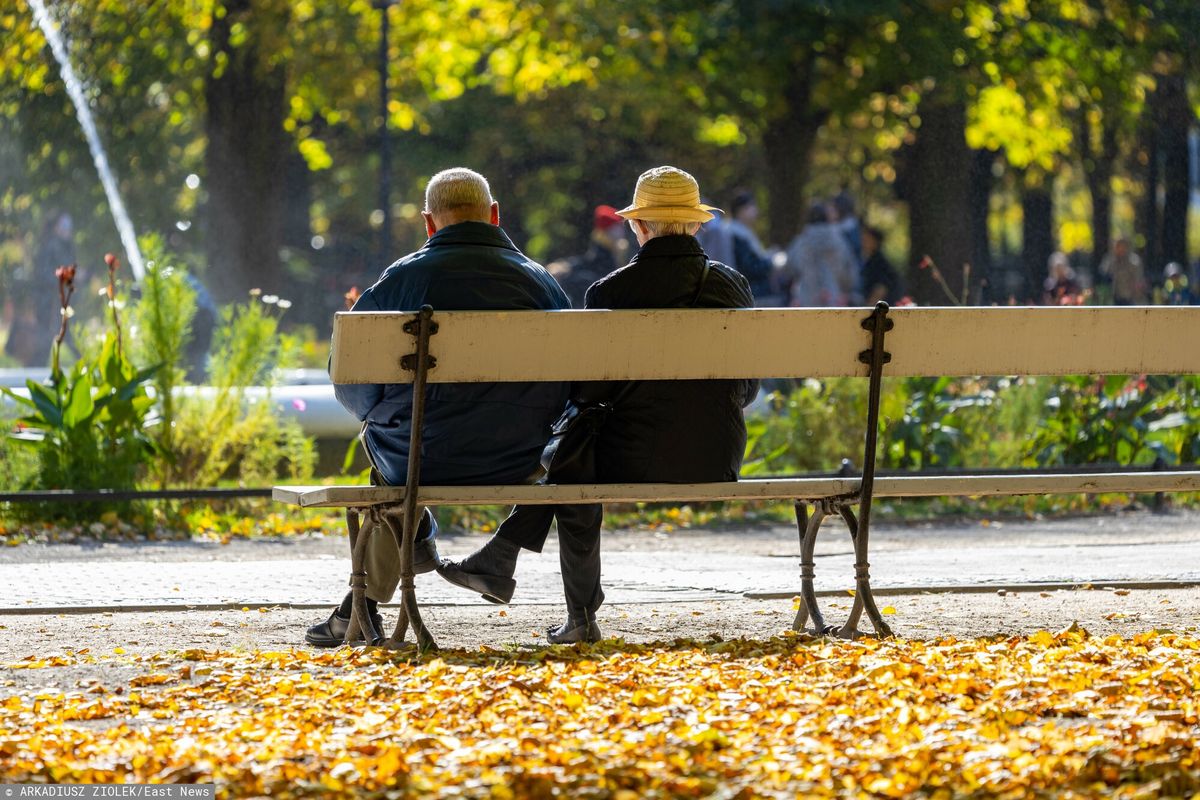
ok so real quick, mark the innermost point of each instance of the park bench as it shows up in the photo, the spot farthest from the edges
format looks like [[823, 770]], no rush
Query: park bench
[[476, 346]]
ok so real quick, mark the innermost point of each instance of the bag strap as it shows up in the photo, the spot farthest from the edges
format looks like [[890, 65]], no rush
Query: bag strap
[[700, 288]]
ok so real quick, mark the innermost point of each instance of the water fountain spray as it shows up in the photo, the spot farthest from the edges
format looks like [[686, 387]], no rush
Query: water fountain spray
[[84, 114]]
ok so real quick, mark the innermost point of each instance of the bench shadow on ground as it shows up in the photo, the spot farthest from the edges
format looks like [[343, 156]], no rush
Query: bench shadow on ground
[[489, 656]]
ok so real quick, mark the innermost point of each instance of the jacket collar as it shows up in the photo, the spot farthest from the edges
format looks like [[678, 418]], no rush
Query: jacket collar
[[669, 247], [477, 233]]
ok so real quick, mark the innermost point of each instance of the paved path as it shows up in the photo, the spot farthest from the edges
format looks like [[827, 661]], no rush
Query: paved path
[[638, 566]]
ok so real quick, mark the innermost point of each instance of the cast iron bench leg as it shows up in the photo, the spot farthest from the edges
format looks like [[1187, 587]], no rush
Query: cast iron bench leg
[[808, 527], [360, 620], [863, 599], [403, 526]]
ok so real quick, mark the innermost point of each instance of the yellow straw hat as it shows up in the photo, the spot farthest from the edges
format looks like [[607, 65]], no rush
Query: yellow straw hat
[[667, 194]]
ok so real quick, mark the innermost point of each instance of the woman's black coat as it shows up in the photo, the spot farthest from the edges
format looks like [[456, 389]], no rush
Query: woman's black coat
[[670, 431]]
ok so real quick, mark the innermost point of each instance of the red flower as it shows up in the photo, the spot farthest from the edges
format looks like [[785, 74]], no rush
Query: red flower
[[65, 274], [925, 263], [111, 260]]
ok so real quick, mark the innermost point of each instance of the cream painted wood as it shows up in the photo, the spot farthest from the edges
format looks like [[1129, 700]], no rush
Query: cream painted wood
[[783, 489], [604, 345], [1101, 340], [474, 346]]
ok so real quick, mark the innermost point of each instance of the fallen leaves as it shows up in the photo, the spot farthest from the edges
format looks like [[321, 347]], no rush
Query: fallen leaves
[[1050, 714]]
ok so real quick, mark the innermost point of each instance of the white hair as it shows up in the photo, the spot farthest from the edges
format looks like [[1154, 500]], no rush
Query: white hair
[[458, 195], [657, 229]]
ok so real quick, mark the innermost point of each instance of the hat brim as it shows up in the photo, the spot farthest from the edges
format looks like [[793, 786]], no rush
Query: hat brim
[[700, 213]]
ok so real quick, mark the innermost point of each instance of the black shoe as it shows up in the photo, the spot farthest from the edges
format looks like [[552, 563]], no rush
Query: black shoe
[[574, 631], [332, 632], [494, 588]]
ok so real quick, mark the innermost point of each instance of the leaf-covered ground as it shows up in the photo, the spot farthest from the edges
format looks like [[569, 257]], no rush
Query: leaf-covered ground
[[1065, 715]]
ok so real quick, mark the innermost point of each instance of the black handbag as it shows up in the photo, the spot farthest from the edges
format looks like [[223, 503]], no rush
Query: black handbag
[[571, 452], [570, 455]]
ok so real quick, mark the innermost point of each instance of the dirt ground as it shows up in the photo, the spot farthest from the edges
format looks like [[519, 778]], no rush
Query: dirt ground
[[118, 640]]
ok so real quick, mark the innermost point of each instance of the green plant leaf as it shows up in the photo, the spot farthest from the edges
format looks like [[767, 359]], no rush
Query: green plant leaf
[[80, 404], [47, 404], [130, 389], [19, 398]]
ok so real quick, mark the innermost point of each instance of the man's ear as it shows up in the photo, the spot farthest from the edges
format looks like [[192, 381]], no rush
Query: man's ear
[[430, 225], [495, 214]]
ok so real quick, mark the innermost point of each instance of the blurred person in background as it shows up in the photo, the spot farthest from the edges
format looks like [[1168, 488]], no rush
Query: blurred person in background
[[1176, 289], [36, 309], [880, 281], [848, 222], [1124, 271], [607, 249], [820, 266], [1061, 281], [749, 257]]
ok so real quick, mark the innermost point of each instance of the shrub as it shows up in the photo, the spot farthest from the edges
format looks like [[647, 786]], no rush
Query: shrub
[[88, 424], [223, 430]]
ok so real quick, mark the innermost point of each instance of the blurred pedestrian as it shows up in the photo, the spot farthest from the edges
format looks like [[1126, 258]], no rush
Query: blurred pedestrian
[[749, 256], [716, 237], [1123, 269], [1061, 281], [36, 310], [820, 265], [880, 280], [848, 223], [1176, 289], [608, 248]]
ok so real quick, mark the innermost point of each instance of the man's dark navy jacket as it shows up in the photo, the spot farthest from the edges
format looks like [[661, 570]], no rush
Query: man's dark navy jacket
[[474, 433]]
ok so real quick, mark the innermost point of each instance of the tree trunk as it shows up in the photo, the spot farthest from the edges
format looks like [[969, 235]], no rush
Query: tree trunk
[[1037, 234], [788, 140], [982, 181], [245, 159], [938, 181], [1146, 220], [1098, 168], [1175, 118]]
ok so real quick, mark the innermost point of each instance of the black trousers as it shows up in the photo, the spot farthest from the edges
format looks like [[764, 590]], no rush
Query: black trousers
[[578, 540]]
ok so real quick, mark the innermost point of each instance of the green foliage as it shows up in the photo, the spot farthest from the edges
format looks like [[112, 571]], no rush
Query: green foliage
[[89, 425], [223, 430], [972, 423], [810, 428], [162, 325], [1121, 420]]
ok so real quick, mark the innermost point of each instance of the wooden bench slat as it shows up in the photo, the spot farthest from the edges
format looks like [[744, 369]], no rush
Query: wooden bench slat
[[475, 346], [761, 489]]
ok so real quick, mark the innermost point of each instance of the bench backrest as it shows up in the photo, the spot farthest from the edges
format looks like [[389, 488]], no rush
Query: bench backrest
[[475, 346]]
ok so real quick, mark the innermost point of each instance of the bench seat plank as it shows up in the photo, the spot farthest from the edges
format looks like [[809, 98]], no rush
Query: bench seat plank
[[759, 489]]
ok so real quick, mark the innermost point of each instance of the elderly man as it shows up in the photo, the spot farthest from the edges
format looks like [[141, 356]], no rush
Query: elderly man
[[657, 431], [479, 433]]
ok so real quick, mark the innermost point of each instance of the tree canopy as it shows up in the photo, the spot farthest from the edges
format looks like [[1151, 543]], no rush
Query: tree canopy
[[248, 131]]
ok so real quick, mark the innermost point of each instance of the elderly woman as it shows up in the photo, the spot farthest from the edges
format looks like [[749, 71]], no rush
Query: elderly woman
[[656, 431]]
